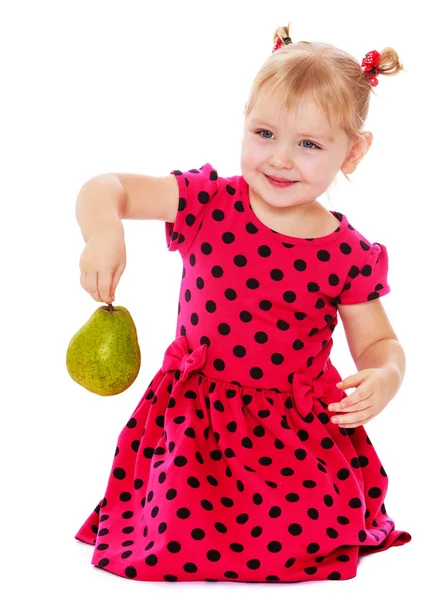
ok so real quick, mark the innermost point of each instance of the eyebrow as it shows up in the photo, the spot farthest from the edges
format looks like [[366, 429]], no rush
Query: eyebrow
[[312, 135]]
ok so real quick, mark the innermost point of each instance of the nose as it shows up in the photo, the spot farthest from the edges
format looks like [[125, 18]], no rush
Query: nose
[[281, 160]]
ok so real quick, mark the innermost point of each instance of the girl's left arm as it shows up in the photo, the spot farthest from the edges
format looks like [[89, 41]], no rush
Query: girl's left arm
[[380, 361], [386, 353], [371, 339]]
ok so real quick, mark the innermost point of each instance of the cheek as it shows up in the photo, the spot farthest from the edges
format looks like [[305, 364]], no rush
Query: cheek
[[253, 153], [316, 167], [248, 154]]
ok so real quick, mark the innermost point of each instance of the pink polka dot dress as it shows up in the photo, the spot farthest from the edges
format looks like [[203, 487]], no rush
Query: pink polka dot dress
[[229, 468]]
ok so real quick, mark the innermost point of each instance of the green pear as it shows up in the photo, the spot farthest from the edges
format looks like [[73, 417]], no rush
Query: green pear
[[104, 355]]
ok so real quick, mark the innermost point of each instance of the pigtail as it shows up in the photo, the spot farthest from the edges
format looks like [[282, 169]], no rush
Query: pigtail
[[390, 63]]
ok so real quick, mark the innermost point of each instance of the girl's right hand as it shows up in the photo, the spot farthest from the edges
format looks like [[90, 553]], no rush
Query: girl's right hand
[[102, 262]]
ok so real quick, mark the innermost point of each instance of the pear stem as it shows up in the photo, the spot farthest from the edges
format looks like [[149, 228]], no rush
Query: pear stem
[[110, 308]]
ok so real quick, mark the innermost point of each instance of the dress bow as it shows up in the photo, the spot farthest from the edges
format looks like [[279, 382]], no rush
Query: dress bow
[[177, 357], [305, 390]]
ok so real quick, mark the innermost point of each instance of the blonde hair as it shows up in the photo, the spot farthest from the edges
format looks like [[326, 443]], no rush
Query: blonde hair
[[330, 76]]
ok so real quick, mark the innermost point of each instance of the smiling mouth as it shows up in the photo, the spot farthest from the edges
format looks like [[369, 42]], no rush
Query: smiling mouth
[[280, 184], [281, 180]]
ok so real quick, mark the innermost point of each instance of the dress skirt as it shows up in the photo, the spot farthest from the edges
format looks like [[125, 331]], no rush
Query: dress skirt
[[212, 481]]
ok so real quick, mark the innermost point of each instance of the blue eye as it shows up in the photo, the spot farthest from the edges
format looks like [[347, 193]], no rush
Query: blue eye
[[304, 141], [311, 143], [261, 130]]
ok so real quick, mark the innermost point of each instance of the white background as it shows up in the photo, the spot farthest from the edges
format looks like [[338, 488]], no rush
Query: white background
[[89, 87]]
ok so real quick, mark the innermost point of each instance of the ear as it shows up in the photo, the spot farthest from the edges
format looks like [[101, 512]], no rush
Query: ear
[[357, 152]]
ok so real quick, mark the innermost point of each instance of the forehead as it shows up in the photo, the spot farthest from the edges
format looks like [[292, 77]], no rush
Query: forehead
[[303, 117]]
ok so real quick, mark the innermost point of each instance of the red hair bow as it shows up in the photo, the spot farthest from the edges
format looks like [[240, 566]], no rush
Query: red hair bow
[[278, 43], [370, 64]]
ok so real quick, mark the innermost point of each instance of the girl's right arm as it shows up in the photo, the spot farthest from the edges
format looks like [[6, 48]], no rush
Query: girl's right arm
[[102, 203]]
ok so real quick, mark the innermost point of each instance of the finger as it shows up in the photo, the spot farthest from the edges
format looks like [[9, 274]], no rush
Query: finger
[[352, 400], [116, 277], [104, 285], [352, 380], [351, 419], [92, 285], [356, 405], [348, 382]]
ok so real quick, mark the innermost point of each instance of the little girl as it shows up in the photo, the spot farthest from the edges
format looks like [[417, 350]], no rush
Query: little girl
[[245, 460]]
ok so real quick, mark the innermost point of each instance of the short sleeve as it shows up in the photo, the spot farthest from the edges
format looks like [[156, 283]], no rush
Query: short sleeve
[[370, 281], [196, 188]]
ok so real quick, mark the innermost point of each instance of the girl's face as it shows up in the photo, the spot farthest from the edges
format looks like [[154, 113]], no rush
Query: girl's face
[[295, 145]]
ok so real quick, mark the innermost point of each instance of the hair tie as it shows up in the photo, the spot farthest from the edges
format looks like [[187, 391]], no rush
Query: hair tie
[[277, 45], [369, 63]]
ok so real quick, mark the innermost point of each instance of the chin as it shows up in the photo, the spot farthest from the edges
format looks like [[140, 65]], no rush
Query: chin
[[280, 202]]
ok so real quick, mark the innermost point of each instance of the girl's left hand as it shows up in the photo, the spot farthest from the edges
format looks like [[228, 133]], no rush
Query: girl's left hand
[[375, 388]]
